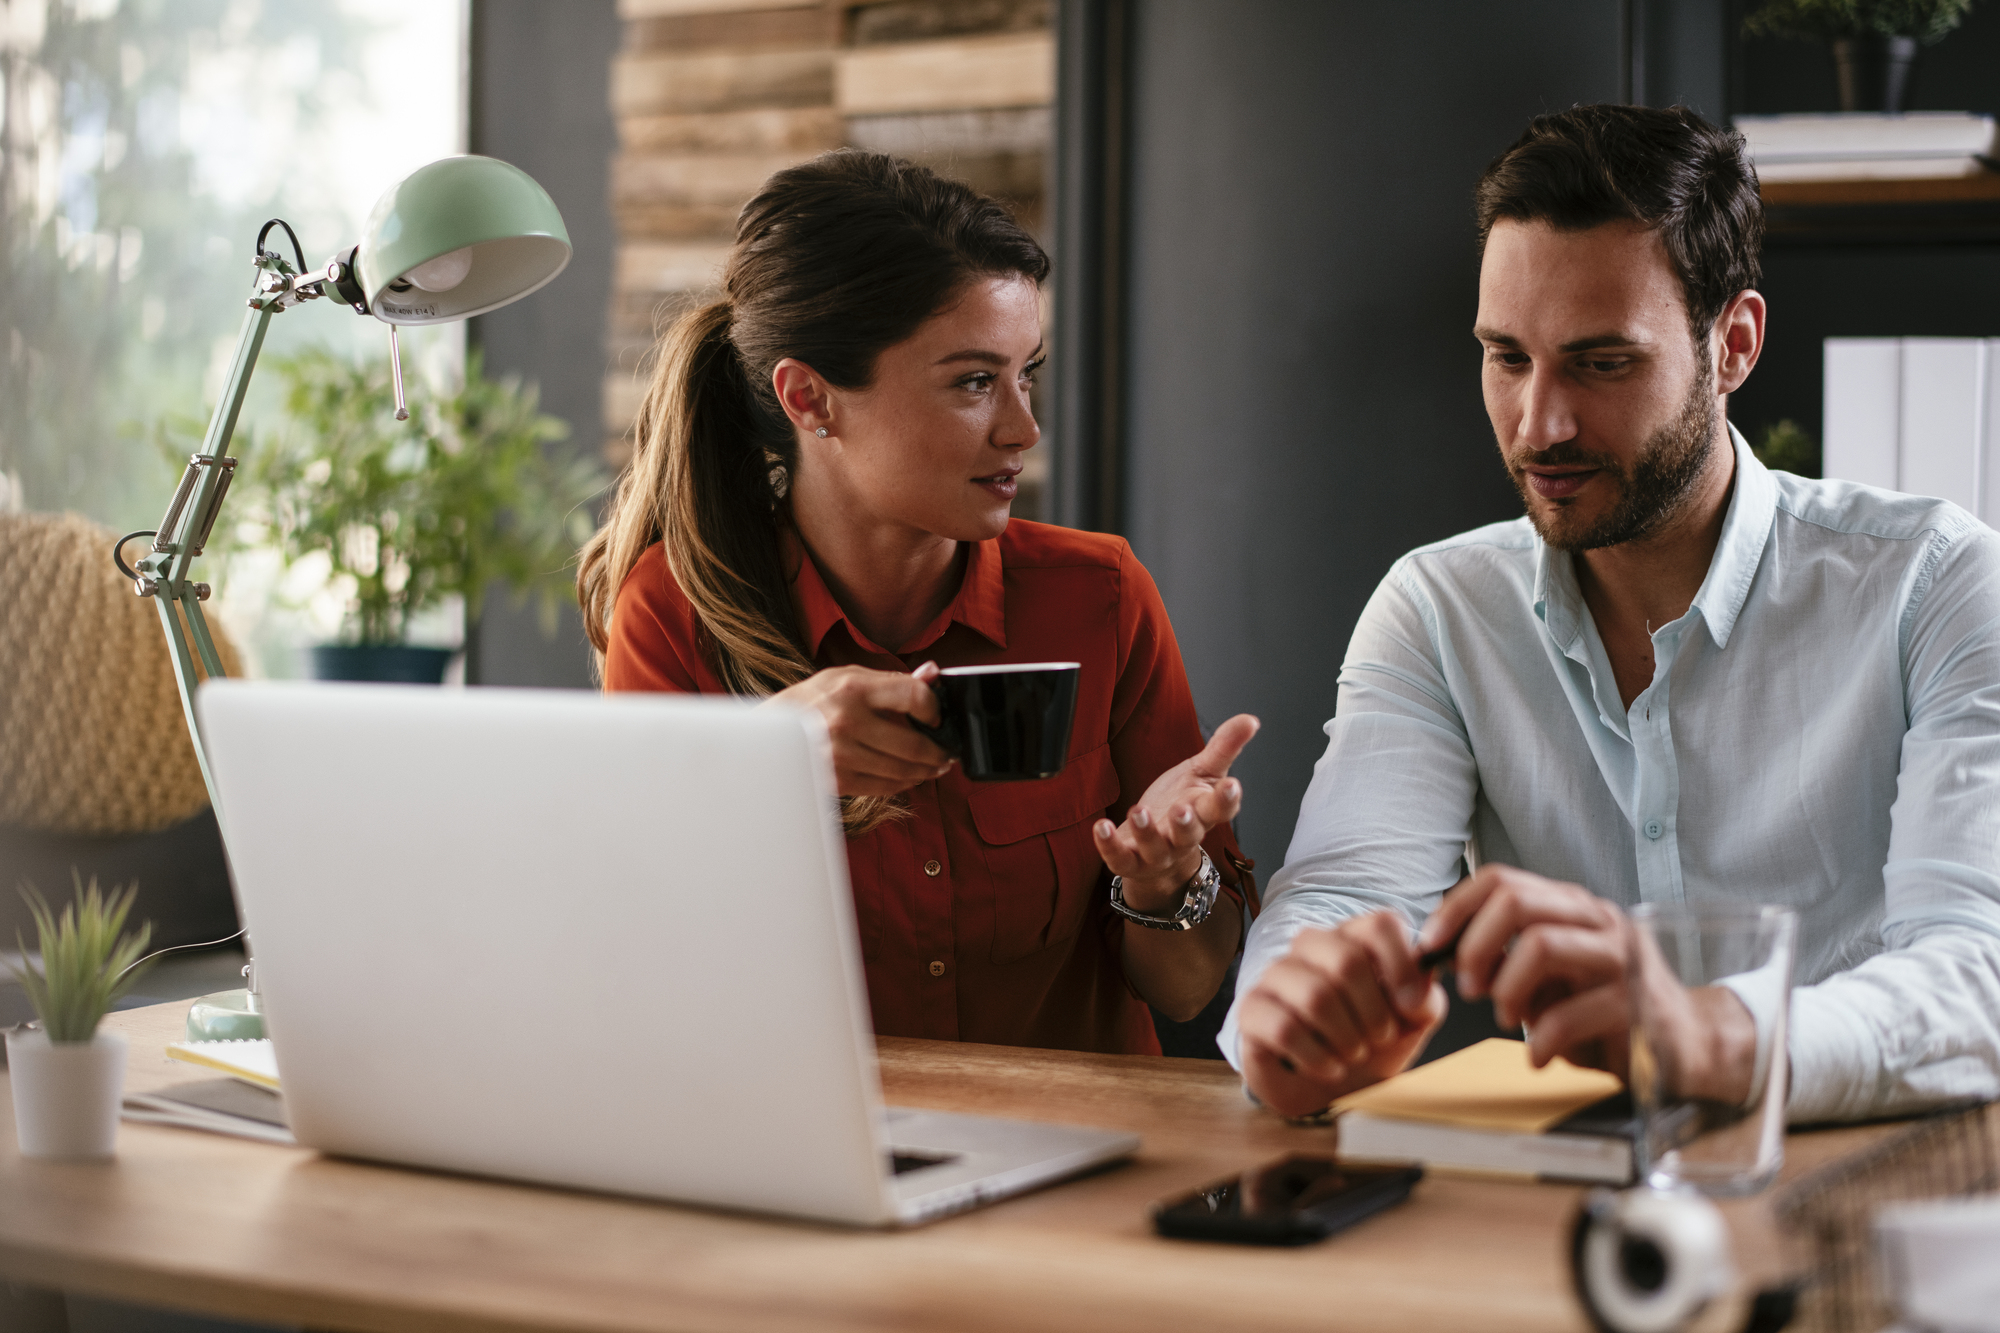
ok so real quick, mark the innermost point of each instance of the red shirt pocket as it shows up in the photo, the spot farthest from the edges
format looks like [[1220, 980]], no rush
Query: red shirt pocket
[[1042, 863]]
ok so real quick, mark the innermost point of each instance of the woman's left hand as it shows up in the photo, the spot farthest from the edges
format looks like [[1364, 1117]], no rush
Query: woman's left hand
[[1158, 848]]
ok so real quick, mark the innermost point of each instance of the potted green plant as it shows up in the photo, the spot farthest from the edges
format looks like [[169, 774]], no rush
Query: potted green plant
[[408, 513], [1905, 25], [1846, 25], [68, 1078]]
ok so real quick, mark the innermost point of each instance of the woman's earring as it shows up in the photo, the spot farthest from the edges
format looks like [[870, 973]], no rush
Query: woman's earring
[[821, 432]]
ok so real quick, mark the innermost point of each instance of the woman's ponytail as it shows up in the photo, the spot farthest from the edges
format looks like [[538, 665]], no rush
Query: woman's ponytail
[[700, 482]]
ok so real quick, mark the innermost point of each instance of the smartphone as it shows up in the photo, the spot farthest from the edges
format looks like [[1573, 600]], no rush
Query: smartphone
[[1292, 1201]]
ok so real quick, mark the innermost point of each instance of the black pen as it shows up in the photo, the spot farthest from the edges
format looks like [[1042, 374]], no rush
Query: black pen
[[1432, 959]]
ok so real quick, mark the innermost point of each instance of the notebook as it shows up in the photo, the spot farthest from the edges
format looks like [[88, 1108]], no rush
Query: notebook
[[218, 1105], [1487, 1109], [251, 1061]]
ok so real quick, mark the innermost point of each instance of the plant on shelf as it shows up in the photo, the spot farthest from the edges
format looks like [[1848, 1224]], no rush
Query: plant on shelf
[[1901, 25], [67, 1077], [408, 513], [1824, 20], [1786, 447], [1925, 21]]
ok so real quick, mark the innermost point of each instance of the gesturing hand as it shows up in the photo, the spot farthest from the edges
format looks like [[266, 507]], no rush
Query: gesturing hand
[[1345, 1008], [1158, 847], [876, 752]]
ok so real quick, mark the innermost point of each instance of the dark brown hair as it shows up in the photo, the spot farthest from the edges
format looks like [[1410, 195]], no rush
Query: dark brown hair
[[835, 260], [1666, 168]]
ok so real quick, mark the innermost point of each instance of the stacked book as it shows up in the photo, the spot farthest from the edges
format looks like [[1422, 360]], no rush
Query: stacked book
[[1862, 145], [1487, 1109]]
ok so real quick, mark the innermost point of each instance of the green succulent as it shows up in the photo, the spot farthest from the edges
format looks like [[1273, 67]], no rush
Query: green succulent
[[88, 962]]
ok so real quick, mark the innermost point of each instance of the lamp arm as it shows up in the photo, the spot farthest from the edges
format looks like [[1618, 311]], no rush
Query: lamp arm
[[196, 504]]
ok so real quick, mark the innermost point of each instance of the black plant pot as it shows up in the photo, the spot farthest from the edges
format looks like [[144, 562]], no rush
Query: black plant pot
[[1847, 71], [381, 662], [1899, 55]]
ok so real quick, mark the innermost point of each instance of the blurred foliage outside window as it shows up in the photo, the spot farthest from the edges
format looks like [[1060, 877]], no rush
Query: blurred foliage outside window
[[142, 144]]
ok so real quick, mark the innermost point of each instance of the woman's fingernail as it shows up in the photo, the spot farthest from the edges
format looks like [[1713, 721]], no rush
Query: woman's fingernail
[[1105, 828], [1185, 817], [1141, 818]]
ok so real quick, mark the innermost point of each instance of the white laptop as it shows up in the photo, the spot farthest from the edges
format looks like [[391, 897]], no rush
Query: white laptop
[[597, 942]]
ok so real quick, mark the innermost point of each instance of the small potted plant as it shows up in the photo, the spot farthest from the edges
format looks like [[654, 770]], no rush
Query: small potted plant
[[68, 1078], [409, 513], [1902, 26]]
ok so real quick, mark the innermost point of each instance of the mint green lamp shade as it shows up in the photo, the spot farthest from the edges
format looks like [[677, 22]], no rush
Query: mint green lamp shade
[[457, 238]]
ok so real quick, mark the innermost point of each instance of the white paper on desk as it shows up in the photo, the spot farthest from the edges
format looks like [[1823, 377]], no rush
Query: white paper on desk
[[1936, 1263], [219, 1106]]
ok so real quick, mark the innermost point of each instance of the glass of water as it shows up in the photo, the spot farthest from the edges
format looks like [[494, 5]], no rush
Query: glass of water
[[1685, 1138]]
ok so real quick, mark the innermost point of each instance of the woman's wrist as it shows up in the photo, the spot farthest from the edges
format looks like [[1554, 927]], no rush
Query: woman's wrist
[[1160, 894]]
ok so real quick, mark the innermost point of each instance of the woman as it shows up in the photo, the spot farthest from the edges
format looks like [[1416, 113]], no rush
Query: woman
[[818, 503]]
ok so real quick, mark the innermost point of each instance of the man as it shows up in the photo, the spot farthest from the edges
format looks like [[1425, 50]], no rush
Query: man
[[1682, 677]]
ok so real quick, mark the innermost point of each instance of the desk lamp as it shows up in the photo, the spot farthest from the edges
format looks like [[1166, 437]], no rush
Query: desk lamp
[[456, 238]]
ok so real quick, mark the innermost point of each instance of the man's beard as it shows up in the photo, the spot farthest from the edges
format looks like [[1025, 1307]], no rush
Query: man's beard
[[1659, 484]]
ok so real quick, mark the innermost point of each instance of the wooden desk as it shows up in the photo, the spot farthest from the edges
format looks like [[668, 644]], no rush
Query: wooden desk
[[235, 1228]]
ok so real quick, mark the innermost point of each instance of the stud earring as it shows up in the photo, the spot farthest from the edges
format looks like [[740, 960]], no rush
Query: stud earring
[[821, 432]]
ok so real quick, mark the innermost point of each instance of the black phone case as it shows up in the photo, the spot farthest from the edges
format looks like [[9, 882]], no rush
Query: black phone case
[[1184, 1219]]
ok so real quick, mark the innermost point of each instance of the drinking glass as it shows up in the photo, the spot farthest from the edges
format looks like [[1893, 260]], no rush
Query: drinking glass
[[1684, 1138]]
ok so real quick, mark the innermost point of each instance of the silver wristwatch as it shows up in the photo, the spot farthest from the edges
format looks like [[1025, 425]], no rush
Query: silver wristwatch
[[1197, 900]]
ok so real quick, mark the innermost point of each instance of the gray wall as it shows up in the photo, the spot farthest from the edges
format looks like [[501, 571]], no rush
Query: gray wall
[[539, 75], [1302, 384]]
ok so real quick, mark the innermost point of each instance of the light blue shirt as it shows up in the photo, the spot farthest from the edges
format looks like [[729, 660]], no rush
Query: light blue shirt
[[1822, 731]]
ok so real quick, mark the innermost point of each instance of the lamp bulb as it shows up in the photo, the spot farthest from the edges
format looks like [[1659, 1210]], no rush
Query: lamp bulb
[[443, 273]]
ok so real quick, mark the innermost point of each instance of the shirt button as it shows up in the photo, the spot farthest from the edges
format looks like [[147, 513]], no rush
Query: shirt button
[[1654, 829], [937, 968], [931, 868]]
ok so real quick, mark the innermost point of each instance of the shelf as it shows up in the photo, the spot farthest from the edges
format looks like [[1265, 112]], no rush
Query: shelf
[[1954, 210]]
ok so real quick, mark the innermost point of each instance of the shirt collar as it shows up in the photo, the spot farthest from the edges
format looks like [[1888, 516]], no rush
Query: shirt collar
[[1746, 528], [981, 603]]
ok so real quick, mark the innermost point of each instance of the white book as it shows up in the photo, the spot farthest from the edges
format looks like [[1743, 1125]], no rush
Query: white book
[[1863, 410], [1868, 134], [1943, 418], [1869, 169]]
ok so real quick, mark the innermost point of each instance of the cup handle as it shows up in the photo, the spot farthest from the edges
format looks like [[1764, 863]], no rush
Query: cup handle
[[945, 734]]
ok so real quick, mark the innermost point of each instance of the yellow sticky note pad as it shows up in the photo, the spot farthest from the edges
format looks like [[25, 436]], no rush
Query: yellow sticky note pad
[[1487, 1086]]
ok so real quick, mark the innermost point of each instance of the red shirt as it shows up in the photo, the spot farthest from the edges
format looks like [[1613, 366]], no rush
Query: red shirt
[[985, 916]]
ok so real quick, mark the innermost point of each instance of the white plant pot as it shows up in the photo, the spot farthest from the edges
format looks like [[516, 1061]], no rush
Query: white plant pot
[[66, 1094]]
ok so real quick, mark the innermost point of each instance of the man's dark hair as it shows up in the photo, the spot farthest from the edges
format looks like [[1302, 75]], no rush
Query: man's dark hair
[[1666, 168]]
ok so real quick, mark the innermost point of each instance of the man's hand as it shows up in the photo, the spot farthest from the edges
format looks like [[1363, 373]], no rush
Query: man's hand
[[1345, 1008], [1552, 955], [1555, 956], [876, 752]]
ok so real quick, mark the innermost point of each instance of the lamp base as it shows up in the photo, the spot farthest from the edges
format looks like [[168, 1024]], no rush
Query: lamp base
[[229, 1015]]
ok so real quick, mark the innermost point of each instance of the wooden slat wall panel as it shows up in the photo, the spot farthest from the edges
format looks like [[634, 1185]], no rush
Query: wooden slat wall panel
[[712, 96], [1014, 69], [647, 9]]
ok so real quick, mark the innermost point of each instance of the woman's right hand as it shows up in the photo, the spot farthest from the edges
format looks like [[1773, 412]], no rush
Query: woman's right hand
[[876, 752]]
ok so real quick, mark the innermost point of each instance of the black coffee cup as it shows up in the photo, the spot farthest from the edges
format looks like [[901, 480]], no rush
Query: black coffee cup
[[1006, 722]]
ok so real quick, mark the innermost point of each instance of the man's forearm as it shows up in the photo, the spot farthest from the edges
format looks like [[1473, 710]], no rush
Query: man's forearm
[[1907, 1029]]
